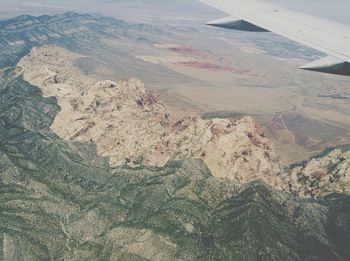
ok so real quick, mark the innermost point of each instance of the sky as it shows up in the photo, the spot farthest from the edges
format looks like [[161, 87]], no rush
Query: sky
[[336, 10]]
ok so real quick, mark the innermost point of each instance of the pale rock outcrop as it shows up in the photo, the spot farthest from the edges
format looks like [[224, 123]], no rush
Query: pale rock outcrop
[[321, 175], [130, 124]]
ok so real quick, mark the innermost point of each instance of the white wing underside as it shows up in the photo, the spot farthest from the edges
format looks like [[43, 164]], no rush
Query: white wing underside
[[326, 36]]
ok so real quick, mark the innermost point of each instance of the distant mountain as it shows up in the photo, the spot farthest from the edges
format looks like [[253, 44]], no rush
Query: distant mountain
[[132, 10], [18, 35], [109, 41]]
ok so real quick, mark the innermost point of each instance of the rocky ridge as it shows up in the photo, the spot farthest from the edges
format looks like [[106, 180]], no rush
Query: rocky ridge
[[61, 201], [321, 175], [130, 124]]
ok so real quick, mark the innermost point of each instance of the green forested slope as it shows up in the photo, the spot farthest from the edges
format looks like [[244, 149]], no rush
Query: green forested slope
[[60, 201]]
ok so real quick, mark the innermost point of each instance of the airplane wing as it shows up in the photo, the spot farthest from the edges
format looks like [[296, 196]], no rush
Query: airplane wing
[[326, 36]]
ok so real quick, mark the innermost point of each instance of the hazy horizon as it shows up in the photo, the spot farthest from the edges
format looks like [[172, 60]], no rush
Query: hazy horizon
[[144, 10]]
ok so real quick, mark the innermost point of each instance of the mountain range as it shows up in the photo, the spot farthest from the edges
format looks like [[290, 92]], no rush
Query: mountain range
[[68, 194]]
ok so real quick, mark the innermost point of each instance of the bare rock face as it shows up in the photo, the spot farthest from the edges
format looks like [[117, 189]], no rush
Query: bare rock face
[[130, 124], [321, 175], [61, 201]]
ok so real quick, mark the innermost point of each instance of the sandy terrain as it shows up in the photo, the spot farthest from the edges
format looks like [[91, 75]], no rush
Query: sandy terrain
[[264, 85]]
